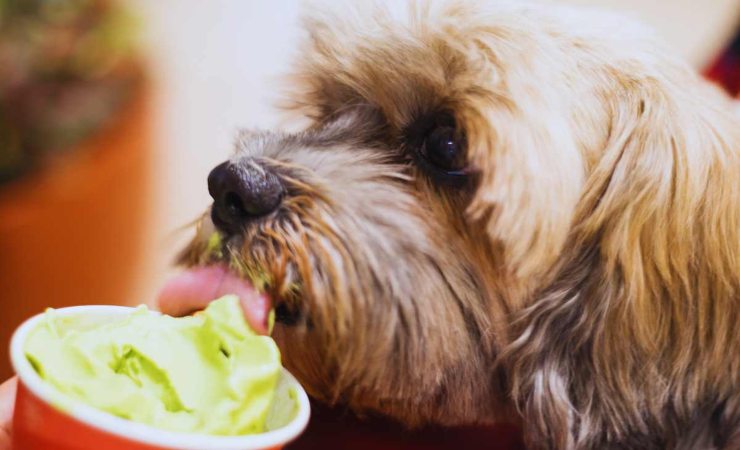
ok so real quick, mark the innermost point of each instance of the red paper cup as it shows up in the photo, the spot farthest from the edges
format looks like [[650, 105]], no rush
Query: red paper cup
[[45, 418]]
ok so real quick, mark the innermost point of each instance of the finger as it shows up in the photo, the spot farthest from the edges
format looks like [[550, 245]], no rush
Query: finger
[[7, 400]]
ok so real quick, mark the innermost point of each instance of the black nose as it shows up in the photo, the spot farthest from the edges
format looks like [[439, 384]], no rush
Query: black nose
[[242, 192]]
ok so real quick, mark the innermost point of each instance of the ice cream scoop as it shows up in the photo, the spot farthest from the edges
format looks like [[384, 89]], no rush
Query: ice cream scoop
[[209, 373]]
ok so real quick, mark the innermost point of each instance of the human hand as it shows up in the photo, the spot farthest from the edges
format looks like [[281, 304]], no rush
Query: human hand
[[7, 400]]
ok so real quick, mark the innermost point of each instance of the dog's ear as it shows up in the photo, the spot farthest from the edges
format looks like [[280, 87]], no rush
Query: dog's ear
[[530, 167], [634, 333]]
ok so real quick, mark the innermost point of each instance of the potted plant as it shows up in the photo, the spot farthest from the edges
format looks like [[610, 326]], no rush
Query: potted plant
[[74, 157]]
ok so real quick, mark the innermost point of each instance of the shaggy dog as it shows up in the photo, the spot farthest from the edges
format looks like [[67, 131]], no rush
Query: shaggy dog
[[499, 212]]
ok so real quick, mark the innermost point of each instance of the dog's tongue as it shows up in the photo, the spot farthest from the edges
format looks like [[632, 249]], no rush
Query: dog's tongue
[[193, 289]]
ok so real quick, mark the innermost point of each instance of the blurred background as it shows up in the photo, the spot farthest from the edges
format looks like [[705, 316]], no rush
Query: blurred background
[[112, 113]]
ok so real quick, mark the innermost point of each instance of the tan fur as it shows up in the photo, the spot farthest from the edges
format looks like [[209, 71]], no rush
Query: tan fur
[[590, 280]]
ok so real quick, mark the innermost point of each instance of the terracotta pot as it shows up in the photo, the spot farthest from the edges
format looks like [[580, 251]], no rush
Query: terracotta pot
[[72, 232]]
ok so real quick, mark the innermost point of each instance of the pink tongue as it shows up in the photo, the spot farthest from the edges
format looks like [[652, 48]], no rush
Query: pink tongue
[[193, 289]]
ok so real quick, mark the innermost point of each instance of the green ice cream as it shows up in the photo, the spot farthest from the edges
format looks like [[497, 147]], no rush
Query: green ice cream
[[208, 373]]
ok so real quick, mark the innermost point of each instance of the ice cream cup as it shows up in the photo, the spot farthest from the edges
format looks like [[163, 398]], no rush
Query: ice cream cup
[[44, 418]]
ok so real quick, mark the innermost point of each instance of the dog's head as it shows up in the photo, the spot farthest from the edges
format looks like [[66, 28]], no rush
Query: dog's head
[[458, 161]]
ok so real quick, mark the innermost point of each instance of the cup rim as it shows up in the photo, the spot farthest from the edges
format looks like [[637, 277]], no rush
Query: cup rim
[[138, 432]]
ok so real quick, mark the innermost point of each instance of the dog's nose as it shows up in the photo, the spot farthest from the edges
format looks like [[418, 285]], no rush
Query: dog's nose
[[242, 192]]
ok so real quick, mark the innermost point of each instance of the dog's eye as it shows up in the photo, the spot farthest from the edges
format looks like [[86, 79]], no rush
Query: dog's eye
[[444, 149], [443, 152], [439, 148]]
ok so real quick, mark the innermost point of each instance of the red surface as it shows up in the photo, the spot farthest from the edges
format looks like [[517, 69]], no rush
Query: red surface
[[726, 69], [339, 429]]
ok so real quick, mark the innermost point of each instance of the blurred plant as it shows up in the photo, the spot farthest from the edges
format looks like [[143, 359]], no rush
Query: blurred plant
[[66, 66]]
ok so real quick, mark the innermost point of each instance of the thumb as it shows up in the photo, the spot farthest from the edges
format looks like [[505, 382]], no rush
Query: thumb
[[7, 399]]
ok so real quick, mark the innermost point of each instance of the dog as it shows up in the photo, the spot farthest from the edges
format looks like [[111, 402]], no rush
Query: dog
[[498, 212]]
